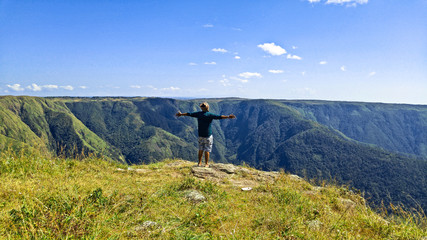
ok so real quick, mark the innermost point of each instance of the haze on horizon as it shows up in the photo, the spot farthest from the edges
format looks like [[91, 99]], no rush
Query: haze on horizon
[[346, 50]]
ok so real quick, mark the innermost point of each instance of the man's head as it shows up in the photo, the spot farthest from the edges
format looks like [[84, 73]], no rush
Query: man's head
[[205, 107]]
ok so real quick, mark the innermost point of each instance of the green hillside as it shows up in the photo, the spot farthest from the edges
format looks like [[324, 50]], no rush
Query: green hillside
[[267, 134], [47, 125], [395, 127], [55, 198]]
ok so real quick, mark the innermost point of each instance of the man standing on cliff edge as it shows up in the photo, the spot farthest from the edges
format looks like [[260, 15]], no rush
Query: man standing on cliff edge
[[204, 120]]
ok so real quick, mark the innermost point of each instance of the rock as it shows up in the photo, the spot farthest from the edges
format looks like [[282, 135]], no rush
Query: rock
[[195, 196], [267, 176], [314, 225], [150, 224], [227, 168], [207, 172], [140, 170], [295, 177], [147, 225], [347, 203]]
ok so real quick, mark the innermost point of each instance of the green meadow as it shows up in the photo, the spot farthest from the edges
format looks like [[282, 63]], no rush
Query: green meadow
[[45, 197]]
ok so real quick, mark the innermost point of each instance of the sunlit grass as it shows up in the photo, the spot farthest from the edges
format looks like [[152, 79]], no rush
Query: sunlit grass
[[44, 198]]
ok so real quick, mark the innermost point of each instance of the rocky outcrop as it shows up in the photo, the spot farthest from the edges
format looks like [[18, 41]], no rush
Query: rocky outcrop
[[236, 175]]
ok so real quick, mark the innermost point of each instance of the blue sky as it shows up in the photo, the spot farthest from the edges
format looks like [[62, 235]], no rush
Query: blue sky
[[349, 50]]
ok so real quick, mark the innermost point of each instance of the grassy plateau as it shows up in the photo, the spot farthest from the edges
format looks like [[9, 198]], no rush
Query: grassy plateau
[[44, 197]]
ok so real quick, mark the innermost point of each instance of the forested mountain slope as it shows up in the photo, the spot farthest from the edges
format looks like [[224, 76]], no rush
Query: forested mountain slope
[[49, 125], [267, 134], [395, 127]]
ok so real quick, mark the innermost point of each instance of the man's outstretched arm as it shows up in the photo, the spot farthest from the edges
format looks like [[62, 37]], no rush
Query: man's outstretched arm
[[179, 114], [231, 116]]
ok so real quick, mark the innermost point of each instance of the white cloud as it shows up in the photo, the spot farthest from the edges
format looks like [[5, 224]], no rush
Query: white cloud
[[348, 3], [250, 75], [171, 89], [293, 57], [210, 63], [275, 71], [68, 87], [372, 74], [323, 62], [16, 87], [239, 79], [272, 48], [34, 87], [225, 82], [192, 64], [294, 47], [343, 68], [236, 57], [37, 88], [83, 87], [221, 50], [208, 26], [152, 87], [51, 86], [136, 86], [303, 73]]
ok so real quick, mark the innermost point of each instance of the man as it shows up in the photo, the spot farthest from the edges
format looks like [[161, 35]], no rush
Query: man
[[204, 120]]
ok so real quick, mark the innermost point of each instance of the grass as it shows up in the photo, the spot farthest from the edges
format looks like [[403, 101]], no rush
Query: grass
[[54, 198]]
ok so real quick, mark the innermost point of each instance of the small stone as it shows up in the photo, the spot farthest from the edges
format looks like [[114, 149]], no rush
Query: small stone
[[140, 170], [195, 196], [315, 225], [347, 203], [147, 225]]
